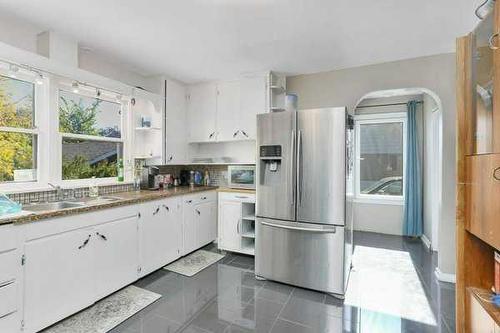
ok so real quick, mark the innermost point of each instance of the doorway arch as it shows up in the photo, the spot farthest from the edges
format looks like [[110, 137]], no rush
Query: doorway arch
[[435, 156]]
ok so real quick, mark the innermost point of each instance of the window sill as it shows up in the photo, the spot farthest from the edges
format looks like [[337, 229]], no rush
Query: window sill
[[87, 182], [380, 201]]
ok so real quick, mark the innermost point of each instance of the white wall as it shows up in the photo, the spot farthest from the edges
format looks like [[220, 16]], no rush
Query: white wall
[[436, 73], [381, 218]]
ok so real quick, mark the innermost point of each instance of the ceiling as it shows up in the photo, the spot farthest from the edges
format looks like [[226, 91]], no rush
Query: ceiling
[[199, 40]]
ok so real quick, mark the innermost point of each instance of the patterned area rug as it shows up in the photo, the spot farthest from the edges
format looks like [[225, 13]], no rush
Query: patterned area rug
[[194, 263], [107, 313]]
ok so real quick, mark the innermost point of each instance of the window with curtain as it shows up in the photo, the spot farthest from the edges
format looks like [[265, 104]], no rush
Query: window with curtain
[[91, 130], [18, 133], [380, 156]]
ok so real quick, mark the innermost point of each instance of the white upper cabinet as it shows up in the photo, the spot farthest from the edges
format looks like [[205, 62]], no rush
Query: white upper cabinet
[[253, 100], [228, 110], [176, 114], [202, 109]]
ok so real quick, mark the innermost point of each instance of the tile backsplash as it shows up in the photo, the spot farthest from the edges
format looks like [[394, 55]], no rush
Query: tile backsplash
[[218, 173], [74, 193]]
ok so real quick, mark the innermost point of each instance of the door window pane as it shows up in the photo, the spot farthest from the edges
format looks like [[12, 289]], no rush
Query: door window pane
[[80, 114], [381, 164], [17, 157], [16, 103], [82, 159]]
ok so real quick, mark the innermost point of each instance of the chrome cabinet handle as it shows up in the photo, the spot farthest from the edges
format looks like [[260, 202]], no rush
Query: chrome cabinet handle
[[292, 183], [211, 135], [199, 213], [496, 173], [203, 198], [236, 133], [166, 207], [238, 226], [156, 210], [170, 158], [241, 197], [102, 236], [491, 41], [189, 201], [85, 242], [244, 133]]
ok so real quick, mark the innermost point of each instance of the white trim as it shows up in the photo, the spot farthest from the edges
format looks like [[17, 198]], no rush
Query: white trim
[[19, 130], [399, 117], [426, 242], [91, 137], [444, 277]]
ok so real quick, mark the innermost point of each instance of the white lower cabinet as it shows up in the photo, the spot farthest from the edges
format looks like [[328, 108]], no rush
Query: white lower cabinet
[[199, 220], [59, 277], [116, 255], [161, 230], [237, 222]]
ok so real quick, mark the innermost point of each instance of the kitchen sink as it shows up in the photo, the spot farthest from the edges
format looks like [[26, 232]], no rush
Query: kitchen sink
[[102, 200], [52, 206]]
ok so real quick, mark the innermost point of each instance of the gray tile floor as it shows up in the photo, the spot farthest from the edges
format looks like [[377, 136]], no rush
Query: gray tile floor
[[227, 298]]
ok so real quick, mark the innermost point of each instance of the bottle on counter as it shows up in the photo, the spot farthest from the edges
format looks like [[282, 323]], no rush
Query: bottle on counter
[[191, 178], [206, 178], [120, 170]]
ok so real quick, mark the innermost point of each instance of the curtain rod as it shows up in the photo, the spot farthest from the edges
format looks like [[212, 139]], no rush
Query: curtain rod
[[377, 105]]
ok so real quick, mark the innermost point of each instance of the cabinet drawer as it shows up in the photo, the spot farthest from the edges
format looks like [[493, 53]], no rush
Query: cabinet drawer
[[9, 263], [200, 197], [483, 195], [10, 323], [8, 237], [241, 197], [8, 299]]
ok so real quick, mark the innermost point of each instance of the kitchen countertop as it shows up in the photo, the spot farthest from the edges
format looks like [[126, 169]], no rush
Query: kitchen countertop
[[126, 198], [235, 190]]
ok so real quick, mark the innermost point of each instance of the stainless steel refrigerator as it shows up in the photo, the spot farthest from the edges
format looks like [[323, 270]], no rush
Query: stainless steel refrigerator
[[304, 224]]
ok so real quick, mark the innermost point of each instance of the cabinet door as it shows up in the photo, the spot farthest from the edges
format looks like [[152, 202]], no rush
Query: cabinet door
[[228, 110], [116, 255], [176, 123], [202, 113], [229, 221], [252, 102], [189, 229], [205, 223], [173, 207], [59, 277]]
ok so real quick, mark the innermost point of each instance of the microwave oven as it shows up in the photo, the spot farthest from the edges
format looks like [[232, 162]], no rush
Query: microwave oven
[[241, 176]]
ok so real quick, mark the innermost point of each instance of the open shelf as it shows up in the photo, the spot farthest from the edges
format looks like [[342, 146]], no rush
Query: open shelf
[[248, 235], [249, 217]]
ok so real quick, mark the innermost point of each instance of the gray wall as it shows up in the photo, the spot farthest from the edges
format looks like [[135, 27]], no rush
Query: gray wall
[[436, 73]]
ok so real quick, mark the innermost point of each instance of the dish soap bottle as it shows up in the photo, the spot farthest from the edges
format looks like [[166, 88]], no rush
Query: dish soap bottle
[[93, 189], [120, 170], [206, 178]]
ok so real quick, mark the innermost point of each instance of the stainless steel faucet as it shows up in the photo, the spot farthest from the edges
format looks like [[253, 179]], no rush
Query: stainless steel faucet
[[59, 191]]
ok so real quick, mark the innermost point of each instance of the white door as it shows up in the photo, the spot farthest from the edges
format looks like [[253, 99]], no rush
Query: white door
[[59, 277], [202, 107], [176, 111], [253, 101], [206, 223], [189, 229], [228, 110], [116, 255], [173, 236], [229, 224]]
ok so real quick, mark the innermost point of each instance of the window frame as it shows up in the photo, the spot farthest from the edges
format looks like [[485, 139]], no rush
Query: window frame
[[380, 118], [124, 139], [39, 129]]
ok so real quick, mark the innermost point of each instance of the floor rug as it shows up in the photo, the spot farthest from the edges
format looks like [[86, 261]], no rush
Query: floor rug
[[107, 313], [194, 263]]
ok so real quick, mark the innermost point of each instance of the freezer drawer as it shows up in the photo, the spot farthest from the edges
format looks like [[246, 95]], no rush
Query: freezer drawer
[[302, 254]]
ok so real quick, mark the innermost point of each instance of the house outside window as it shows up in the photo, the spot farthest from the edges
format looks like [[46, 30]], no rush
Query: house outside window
[[380, 152], [92, 135]]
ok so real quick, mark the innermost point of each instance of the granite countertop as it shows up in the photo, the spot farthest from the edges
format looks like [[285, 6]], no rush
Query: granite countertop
[[125, 198]]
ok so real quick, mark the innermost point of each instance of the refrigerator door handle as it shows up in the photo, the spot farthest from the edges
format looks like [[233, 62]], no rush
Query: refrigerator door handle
[[299, 163], [331, 230], [292, 183]]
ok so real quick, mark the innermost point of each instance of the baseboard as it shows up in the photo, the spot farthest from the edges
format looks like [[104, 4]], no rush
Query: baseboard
[[426, 242], [444, 277]]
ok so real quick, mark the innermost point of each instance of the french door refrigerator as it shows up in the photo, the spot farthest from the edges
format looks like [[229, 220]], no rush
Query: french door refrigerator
[[303, 225]]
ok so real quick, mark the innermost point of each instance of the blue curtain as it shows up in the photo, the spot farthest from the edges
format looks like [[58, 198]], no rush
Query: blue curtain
[[412, 223]]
